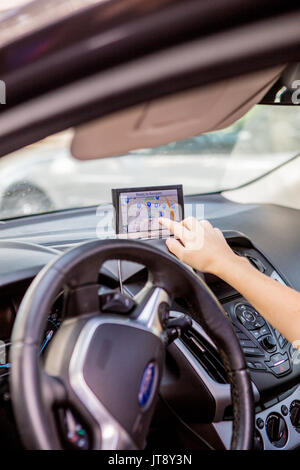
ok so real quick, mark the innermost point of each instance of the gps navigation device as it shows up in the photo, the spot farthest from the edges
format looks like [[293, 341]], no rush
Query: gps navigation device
[[137, 210]]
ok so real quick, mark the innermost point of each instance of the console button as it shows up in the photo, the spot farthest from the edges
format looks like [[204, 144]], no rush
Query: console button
[[252, 352], [282, 341], [284, 410], [241, 308], [282, 368], [241, 335], [259, 366], [237, 330], [261, 332], [247, 343], [256, 333], [249, 317], [260, 423], [247, 324], [264, 331], [277, 359], [259, 322], [277, 334], [277, 430], [245, 313]]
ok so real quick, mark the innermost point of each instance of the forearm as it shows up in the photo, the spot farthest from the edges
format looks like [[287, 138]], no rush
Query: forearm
[[278, 304]]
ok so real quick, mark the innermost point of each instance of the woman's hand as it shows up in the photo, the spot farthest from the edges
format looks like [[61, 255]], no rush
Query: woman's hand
[[199, 244]]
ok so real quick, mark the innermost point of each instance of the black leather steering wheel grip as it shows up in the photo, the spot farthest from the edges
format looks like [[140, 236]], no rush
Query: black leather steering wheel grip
[[36, 391]]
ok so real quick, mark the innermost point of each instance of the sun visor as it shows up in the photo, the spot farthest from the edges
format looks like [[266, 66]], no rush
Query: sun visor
[[172, 118]]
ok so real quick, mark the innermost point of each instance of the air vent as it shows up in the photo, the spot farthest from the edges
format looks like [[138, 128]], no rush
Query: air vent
[[253, 260], [206, 354], [256, 263]]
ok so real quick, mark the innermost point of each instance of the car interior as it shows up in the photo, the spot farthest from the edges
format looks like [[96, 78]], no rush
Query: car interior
[[107, 341]]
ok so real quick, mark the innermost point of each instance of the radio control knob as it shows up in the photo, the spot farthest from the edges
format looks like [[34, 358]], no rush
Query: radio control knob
[[277, 430]]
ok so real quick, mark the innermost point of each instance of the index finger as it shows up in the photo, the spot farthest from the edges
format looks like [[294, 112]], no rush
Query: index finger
[[174, 227]]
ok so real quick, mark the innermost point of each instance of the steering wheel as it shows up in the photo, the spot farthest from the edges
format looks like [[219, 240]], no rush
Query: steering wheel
[[107, 368]]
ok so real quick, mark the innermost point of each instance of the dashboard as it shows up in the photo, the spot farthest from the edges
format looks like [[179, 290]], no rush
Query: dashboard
[[205, 406]]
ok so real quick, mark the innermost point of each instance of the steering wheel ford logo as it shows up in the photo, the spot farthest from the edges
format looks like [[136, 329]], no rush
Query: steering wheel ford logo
[[148, 385]]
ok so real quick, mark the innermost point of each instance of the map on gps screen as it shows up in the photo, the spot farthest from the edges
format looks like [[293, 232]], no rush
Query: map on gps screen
[[139, 210]]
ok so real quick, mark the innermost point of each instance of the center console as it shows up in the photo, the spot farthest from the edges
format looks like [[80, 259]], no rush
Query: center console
[[273, 363], [265, 348]]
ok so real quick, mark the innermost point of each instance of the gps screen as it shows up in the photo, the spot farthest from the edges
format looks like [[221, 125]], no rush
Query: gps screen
[[138, 209]]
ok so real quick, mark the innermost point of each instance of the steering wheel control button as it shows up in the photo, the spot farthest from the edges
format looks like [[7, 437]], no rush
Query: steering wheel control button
[[276, 429], [260, 423], [295, 414], [269, 343]]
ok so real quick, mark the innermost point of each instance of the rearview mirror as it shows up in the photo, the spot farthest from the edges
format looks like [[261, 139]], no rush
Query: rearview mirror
[[286, 90]]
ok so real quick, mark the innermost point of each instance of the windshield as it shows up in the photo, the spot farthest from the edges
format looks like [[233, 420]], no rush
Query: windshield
[[45, 177]]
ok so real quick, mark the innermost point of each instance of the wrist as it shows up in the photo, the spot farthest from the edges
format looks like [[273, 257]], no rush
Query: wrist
[[228, 265]]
